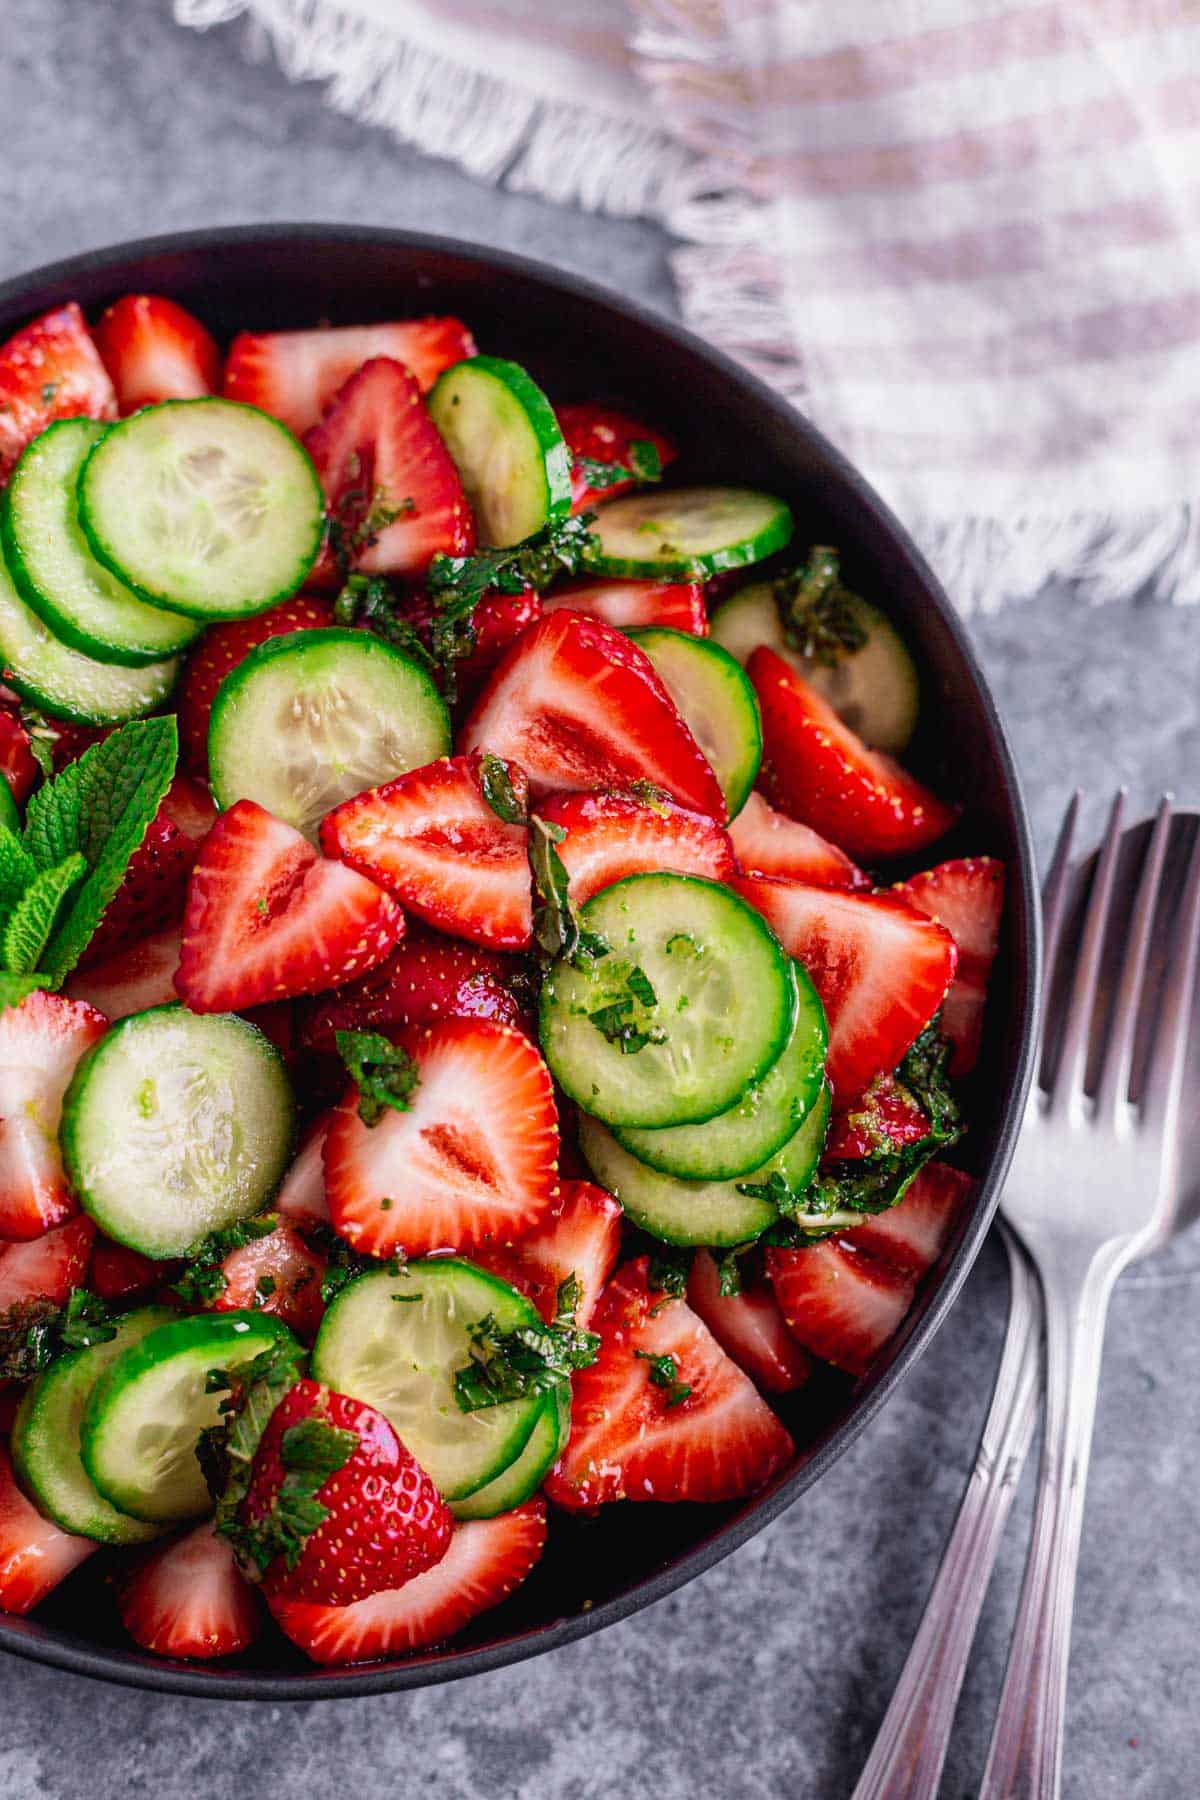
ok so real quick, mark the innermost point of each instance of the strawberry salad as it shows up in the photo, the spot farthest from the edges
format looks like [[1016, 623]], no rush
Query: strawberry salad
[[484, 1007]]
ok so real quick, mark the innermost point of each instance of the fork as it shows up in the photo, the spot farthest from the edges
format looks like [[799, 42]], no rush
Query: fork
[[1095, 1183]]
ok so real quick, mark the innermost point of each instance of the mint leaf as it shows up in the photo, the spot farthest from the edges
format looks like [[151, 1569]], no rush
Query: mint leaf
[[384, 1074], [35, 914], [496, 785], [664, 1373], [17, 869], [14, 988], [99, 807]]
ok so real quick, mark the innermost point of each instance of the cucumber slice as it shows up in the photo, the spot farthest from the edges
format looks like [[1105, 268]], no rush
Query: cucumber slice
[[506, 444], [724, 995], [57, 575], [146, 1412], [524, 1477], [875, 690], [208, 507], [702, 1212], [763, 1120], [176, 1124], [688, 533], [45, 1438], [311, 719], [66, 684], [717, 702], [396, 1341]]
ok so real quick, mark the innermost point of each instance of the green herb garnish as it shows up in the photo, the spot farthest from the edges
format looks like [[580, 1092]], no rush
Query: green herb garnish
[[821, 616], [644, 466], [664, 1373], [203, 1280], [505, 1365], [34, 1332], [496, 785], [385, 1075]]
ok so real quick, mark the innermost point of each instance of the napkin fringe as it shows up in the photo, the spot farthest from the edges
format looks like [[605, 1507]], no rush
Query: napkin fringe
[[566, 153]]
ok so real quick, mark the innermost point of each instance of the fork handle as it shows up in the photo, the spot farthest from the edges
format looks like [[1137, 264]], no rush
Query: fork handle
[[1025, 1758], [906, 1762]]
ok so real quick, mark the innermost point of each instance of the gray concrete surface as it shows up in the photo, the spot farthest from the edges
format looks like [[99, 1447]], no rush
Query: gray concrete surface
[[766, 1679]]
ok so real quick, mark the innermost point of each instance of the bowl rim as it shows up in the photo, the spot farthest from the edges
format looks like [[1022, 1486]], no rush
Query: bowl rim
[[133, 1669]]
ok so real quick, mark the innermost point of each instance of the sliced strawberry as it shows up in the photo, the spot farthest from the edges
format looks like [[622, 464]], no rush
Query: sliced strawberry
[[431, 838], [50, 370], [749, 1327], [377, 450], [817, 770], [839, 1302], [221, 649], [154, 349], [68, 741], [486, 1561], [189, 1598], [635, 1438], [130, 980], [267, 917], [767, 842], [610, 836], [474, 1159], [295, 374], [189, 806], [41, 1040], [629, 604], [967, 897], [884, 1118], [18, 765], [578, 706], [34, 1554], [47, 1267], [880, 967], [152, 894], [301, 1200], [384, 1522], [277, 1273], [911, 1236], [117, 1273], [601, 434], [427, 977], [581, 1240]]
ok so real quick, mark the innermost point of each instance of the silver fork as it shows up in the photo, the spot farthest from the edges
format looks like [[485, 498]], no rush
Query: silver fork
[[1095, 1183]]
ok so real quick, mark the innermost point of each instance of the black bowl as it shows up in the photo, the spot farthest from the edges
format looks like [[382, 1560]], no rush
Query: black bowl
[[583, 343]]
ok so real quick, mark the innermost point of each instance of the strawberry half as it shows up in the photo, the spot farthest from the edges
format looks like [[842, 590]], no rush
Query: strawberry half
[[18, 765], [267, 917], [610, 836], [767, 842], [221, 649], [473, 1160], [152, 893], [384, 1523], [845, 1297], [749, 1326], [376, 449], [601, 434], [881, 968], [629, 604], [431, 838], [34, 1554], [818, 771], [154, 349], [47, 1267], [190, 1599], [581, 1240], [50, 370], [41, 1040], [967, 897], [116, 1273], [578, 707], [294, 374], [637, 1434], [279, 1274], [301, 1199], [130, 980], [426, 978], [885, 1116], [486, 1561]]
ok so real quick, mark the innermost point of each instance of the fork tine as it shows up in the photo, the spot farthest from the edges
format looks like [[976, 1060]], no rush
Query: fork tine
[[1118, 1051], [1067, 1082], [1054, 889], [1164, 1076]]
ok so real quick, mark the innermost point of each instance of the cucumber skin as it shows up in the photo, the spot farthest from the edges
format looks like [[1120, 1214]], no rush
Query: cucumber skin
[[774, 536], [52, 617], [513, 1486], [224, 1331], [70, 1110], [543, 422], [23, 1449], [206, 615]]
